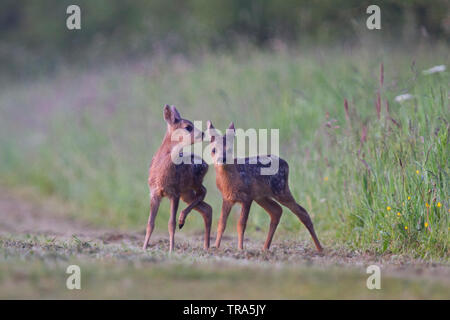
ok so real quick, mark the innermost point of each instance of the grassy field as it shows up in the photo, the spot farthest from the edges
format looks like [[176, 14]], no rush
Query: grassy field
[[175, 280], [38, 242], [372, 172]]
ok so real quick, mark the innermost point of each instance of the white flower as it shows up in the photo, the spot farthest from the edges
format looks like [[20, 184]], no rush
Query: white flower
[[403, 97], [435, 69]]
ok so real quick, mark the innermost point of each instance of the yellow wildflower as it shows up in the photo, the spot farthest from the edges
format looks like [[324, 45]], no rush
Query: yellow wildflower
[[399, 214], [426, 224], [406, 227], [427, 205], [409, 198], [438, 204], [388, 208], [325, 179], [417, 171]]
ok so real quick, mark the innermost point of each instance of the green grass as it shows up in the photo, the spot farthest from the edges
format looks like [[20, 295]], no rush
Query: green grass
[[35, 267], [88, 136], [107, 280]]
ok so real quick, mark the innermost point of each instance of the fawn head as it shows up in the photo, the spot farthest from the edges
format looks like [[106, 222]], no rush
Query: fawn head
[[181, 130], [222, 146]]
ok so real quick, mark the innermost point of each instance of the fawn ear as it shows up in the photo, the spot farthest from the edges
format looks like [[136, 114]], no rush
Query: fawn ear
[[231, 127], [230, 134], [171, 114], [176, 114], [210, 127]]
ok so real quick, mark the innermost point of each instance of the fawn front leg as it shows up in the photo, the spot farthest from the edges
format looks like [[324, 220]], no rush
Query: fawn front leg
[[242, 223], [226, 208], [206, 212], [173, 221], [154, 206], [199, 197]]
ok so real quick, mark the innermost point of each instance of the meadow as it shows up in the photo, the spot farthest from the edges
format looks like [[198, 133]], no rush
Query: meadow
[[373, 172]]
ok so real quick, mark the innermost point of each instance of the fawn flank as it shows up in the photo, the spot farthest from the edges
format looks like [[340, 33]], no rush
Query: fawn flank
[[243, 183], [175, 181]]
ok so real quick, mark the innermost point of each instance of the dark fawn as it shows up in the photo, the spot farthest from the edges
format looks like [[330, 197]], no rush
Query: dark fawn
[[173, 177], [242, 182]]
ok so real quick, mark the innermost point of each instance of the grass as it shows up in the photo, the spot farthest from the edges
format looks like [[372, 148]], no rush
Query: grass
[[87, 136], [44, 281], [35, 267]]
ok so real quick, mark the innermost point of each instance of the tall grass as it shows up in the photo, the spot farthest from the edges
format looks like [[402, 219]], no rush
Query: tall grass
[[372, 172]]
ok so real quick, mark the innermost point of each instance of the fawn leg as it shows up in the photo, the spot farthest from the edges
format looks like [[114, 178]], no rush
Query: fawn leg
[[226, 208], [289, 201], [154, 206], [242, 223], [206, 212], [173, 221], [275, 211], [192, 202]]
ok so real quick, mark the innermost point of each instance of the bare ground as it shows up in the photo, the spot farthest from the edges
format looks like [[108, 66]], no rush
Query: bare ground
[[41, 228]]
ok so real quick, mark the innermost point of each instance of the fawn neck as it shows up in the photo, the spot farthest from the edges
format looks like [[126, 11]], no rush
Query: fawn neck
[[168, 146]]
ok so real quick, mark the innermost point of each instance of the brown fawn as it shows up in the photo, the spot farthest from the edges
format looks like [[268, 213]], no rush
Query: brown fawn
[[169, 178], [242, 182]]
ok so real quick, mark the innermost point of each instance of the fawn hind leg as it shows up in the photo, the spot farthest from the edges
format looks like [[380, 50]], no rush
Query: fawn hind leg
[[275, 211], [242, 224], [192, 200], [205, 210], [288, 200], [155, 200]]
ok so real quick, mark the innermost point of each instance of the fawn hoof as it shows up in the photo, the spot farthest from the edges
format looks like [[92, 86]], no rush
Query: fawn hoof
[[182, 219], [319, 248]]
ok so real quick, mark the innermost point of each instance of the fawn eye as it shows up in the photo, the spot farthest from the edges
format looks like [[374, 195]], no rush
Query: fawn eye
[[189, 128], [213, 150]]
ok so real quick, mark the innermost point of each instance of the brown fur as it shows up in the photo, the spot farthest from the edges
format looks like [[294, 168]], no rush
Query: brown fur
[[243, 183], [175, 181]]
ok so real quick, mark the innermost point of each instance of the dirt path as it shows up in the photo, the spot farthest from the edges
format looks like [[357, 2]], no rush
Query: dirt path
[[19, 217]]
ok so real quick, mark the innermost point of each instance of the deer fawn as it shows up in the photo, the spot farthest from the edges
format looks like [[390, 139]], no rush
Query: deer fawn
[[244, 183], [175, 181]]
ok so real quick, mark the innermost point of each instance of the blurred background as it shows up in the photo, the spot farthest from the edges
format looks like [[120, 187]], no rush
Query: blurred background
[[33, 38], [81, 110]]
